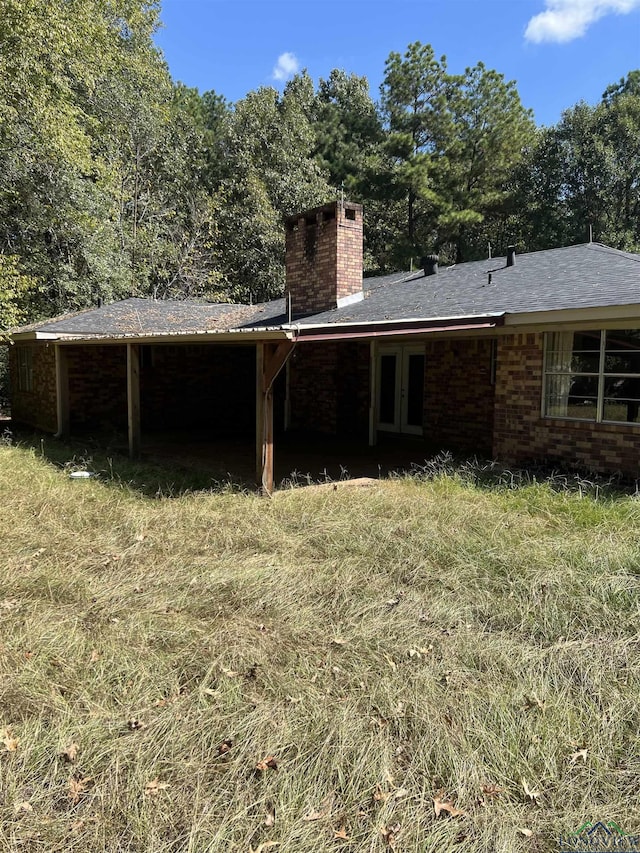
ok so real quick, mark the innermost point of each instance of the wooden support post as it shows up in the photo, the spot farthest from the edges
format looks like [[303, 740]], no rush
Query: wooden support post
[[270, 359], [373, 388], [62, 391], [133, 399], [259, 413]]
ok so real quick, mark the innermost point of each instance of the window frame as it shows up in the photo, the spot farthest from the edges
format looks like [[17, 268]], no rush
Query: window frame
[[601, 375], [25, 368]]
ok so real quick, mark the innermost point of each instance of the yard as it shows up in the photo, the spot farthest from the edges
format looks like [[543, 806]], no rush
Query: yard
[[421, 664]]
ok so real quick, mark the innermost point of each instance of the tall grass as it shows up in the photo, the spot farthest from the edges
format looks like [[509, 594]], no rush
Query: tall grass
[[315, 671]]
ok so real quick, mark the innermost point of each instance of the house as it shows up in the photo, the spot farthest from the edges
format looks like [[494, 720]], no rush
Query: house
[[518, 358]]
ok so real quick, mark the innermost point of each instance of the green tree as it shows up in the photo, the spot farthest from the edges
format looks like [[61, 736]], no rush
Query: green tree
[[582, 175], [268, 170], [453, 143]]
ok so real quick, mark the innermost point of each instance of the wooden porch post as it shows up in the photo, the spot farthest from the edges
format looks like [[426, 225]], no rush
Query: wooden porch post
[[270, 359], [259, 413], [133, 399], [373, 399], [62, 391]]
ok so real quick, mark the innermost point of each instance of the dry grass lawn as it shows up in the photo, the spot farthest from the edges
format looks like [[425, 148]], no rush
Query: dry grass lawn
[[322, 671]]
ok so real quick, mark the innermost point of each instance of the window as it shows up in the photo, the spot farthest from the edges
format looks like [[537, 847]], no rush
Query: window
[[25, 369], [593, 375]]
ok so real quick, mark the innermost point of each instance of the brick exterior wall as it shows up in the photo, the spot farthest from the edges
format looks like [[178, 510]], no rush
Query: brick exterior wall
[[522, 436], [459, 395], [200, 386], [180, 386], [38, 407], [323, 257], [97, 388], [329, 388]]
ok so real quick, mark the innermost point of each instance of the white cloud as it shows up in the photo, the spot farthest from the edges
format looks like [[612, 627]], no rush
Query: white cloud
[[565, 20], [286, 66]]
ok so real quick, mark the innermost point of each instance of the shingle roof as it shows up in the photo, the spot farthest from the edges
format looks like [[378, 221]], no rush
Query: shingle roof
[[165, 317], [586, 276], [589, 275]]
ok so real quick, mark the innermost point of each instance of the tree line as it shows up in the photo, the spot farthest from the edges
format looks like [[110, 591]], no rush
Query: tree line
[[117, 181]]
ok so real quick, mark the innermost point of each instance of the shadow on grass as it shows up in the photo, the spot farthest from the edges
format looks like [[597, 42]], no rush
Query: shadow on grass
[[155, 478], [169, 475]]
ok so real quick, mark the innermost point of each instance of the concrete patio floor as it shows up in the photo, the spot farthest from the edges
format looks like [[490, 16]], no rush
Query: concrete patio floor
[[299, 458]]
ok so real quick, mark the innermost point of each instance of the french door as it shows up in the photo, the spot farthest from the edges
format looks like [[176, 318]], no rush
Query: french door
[[400, 389]]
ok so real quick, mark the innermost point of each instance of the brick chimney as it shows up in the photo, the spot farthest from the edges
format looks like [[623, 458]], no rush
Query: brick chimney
[[324, 258]]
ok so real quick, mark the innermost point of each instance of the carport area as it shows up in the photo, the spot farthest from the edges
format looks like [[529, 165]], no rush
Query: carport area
[[221, 408]]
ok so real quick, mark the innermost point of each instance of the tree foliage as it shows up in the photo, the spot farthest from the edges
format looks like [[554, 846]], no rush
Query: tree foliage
[[114, 180]]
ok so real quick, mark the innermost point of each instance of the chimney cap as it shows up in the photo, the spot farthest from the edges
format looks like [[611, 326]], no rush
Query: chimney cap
[[511, 256], [329, 208]]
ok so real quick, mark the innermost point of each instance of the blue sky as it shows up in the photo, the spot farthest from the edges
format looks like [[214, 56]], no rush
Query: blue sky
[[557, 51]]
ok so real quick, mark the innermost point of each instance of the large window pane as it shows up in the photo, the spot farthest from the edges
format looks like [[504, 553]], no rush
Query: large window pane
[[573, 352], [622, 353], [570, 391], [621, 399]]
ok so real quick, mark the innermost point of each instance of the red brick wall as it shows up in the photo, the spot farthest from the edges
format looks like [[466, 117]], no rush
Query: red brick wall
[[199, 385], [323, 257], [97, 387], [180, 386], [458, 400], [521, 435], [329, 388], [36, 408]]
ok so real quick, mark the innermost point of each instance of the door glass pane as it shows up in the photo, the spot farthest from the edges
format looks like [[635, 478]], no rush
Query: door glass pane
[[387, 389], [415, 390]]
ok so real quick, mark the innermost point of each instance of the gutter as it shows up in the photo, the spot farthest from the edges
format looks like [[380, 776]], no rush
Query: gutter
[[386, 328]]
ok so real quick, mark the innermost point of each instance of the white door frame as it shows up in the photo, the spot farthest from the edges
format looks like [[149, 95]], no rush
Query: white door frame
[[402, 353]]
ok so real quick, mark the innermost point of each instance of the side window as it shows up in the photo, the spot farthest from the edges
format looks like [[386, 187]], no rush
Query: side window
[[25, 368]]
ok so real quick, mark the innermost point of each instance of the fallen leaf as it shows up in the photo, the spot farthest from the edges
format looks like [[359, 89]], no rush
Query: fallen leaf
[[134, 724], [324, 810], [22, 807], [71, 752], [225, 746], [400, 793], [393, 602], [533, 795], [340, 834], [267, 762], [95, 656], [531, 702], [209, 691], [78, 787], [155, 786], [270, 816], [526, 832], [314, 815], [76, 826], [390, 834], [380, 796], [230, 673], [581, 753], [10, 742], [442, 803], [491, 790], [338, 641]]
